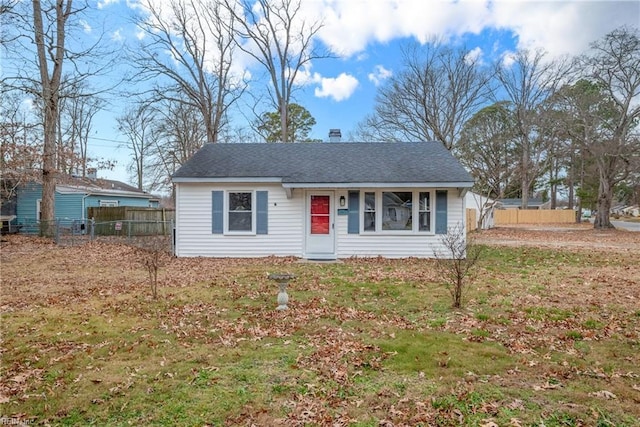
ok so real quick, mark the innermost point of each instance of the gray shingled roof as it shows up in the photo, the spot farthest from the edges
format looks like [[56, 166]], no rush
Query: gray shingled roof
[[301, 163]]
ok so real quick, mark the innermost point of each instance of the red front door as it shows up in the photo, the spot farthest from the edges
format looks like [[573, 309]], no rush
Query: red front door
[[320, 242]]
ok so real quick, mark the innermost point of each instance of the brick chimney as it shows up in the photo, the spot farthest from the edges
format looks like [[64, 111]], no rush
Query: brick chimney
[[335, 135]]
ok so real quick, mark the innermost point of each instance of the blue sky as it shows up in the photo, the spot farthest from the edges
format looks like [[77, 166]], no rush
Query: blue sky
[[365, 37]]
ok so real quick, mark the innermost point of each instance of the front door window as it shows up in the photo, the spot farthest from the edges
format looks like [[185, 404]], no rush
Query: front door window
[[320, 215]]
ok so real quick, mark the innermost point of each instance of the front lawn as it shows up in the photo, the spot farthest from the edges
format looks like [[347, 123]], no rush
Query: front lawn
[[546, 337]]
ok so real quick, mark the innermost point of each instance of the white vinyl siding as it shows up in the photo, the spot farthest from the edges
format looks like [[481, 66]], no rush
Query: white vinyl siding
[[286, 226], [401, 244], [194, 217]]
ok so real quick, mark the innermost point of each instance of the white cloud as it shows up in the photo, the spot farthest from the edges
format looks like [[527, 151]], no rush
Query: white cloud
[[338, 88], [349, 29], [28, 105], [563, 27], [104, 3], [362, 56], [85, 26], [560, 27], [474, 56], [508, 59], [134, 4], [306, 77], [379, 75], [116, 36]]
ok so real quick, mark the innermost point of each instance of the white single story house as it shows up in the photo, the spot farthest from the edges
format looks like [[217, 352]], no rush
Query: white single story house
[[318, 200]]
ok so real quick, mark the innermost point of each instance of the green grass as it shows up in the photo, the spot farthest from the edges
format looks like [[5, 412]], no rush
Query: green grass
[[434, 352], [548, 313], [363, 341]]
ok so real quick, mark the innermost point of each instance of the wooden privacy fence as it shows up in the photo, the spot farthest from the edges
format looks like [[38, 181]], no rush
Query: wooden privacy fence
[[472, 221], [524, 216], [131, 220]]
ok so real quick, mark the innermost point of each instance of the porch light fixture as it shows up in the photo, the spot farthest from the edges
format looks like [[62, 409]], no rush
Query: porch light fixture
[[343, 201]]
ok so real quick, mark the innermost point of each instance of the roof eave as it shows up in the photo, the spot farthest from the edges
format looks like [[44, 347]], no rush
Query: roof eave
[[101, 192], [121, 193], [448, 184], [243, 179]]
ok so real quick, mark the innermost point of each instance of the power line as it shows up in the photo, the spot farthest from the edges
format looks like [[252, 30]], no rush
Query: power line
[[107, 140]]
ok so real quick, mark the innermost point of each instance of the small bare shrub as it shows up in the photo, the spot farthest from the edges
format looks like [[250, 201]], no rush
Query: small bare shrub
[[153, 255], [456, 261]]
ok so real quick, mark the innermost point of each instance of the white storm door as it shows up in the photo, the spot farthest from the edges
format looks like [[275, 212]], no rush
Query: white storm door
[[320, 238]]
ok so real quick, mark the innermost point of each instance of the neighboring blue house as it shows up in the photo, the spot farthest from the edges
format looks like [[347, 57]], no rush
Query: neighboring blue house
[[76, 195]]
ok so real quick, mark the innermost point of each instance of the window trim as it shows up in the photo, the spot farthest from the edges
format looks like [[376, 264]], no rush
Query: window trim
[[374, 211], [108, 203], [428, 211], [225, 210], [415, 212]]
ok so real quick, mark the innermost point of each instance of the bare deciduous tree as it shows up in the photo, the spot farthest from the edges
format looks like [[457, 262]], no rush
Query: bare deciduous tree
[[614, 64], [177, 135], [136, 124], [50, 62], [42, 42], [20, 152], [188, 49], [8, 17], [438, 90], [78, 109], [276, 35], [528, 79]]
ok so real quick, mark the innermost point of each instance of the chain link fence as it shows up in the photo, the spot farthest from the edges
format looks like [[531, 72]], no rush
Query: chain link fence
[[72, 232]]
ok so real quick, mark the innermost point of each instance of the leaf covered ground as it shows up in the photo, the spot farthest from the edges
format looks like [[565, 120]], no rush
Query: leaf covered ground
[[549, 335]]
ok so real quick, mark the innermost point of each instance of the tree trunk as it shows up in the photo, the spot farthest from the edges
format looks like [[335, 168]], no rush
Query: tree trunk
[[210, 124], [526, 181], [47, 204], [139, 173], [605, 197], [283, 121], [553, 177], [580, 204], [571, 183], [50, 94]]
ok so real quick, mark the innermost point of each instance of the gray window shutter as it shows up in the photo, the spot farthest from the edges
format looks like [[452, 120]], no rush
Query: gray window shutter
[[217, 212], [262, 218], [441, 212], [353, 226]]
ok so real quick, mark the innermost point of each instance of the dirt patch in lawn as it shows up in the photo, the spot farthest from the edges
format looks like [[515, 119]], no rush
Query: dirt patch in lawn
[[570, 236]]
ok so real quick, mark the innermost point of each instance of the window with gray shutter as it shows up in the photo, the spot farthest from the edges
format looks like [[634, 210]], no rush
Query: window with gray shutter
[[353, 226], [217, 212], [441, 212], [262, 206]]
